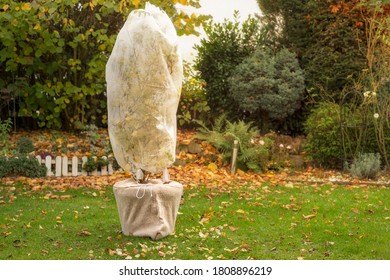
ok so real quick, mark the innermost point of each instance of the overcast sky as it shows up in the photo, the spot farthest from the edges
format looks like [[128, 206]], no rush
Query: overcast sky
[[219, 9]]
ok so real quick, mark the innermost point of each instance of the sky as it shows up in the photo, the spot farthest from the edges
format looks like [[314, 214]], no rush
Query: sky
[[219, 9]]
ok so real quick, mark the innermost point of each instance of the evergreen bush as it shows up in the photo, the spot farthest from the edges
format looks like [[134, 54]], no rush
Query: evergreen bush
[[25, 145], [21, 166], [323, 135], [5, 128], [92, 164], [226, 45], [269, 86]]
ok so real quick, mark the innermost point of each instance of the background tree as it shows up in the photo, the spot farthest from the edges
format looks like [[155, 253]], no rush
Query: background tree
[[53, 56], [374, 83], [324, 35], [227, 44]]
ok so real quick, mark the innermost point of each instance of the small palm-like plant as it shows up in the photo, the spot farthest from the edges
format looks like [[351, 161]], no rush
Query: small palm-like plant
[[251, 155]]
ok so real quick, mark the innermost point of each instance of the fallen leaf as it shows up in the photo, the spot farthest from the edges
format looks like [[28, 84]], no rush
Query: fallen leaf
[[356, 211], [308, 217], [233, 228], [161, 254], [234, 250], [84, 232], [290, 206], [212, 166], [111, 252]]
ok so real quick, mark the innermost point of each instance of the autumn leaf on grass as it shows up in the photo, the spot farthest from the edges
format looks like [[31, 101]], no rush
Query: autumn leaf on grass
[[233, 228], [59, 220], [84, 232], [111, 252], [191, 195], [233, 251], [205, 218], [240, 211], [309, 217], [355, 210], [6, 233], [292, 206]]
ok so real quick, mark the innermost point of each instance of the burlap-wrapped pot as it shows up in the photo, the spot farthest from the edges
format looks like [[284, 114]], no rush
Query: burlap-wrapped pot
[[148, 210]]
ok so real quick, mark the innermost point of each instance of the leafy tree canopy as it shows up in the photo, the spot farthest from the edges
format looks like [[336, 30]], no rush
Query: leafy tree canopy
[[324, 34], [53, 56], [226, 45]]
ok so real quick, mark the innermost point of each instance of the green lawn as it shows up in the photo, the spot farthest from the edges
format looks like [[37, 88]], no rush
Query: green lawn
[[232, 222]]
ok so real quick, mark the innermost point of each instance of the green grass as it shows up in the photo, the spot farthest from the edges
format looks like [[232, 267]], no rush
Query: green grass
[[233, 222]]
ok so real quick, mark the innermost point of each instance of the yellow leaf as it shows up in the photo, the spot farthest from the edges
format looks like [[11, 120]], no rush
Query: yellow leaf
[[37, 27], [5, 7], [240, 211], [135, 3], [212, 166], [26, 7], [184, 2], [240, 172]]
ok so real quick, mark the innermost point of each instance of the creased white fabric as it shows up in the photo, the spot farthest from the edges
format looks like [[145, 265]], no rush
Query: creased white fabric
[[144, 78]]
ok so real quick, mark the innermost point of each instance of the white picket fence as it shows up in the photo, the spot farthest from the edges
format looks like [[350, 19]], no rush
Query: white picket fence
[[62, 166]]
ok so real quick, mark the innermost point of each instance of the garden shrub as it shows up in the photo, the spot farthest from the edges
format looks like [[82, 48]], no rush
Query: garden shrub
[[323, 135], [193, 105], [21, 166], [93, 164], [225, 46], [5, 128], [366, 165], [251, 155], [25, 145], [267, 85]]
